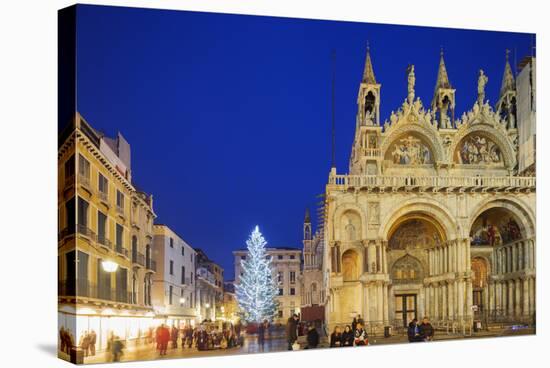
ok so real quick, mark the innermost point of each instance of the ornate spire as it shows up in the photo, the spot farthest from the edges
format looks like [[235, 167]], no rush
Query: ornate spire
[[442, 77], [368, 73], [307, 218], [508, 82]]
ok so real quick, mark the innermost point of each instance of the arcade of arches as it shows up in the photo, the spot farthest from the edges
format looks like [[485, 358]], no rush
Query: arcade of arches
[[421, 271]]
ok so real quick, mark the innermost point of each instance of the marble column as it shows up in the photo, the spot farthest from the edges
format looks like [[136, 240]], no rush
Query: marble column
[[460, 300], [525, 296], [532, 295], [469, 298], [517, 303], [510, 298], [386, 305]]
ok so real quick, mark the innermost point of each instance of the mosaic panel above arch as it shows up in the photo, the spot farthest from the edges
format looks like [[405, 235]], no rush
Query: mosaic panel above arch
[[478, 149], [409, 149], [415, 233]]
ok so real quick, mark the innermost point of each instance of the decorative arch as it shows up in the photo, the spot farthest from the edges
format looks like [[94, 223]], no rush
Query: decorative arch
[[489, 131], [350, 265], [521, 212], [425, 208], [341, 217], [425, 132], [480, 272]]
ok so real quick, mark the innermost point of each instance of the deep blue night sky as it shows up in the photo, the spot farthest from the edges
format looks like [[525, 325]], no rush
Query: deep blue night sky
[[229, 116]]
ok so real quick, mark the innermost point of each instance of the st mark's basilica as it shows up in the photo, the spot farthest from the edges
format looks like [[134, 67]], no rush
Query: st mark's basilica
[[437, 214]]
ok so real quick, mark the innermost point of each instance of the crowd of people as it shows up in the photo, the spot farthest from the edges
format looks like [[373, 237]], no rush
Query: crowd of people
[[206, 336], [353, 335], [87, 342], [66, 341]]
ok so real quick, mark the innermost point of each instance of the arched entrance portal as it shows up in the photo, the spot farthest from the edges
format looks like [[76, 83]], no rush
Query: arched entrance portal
[[502, 264], [410, 238]]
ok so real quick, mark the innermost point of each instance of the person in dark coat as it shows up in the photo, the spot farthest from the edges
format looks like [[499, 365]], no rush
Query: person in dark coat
[[336, 338], [312, 337], [93, 340], [261, 334], [347, 336], [62, 339], [202, 339], [291, 326], [174, 333], [354, 324], [413, 332], [426, 330], [361, 337]]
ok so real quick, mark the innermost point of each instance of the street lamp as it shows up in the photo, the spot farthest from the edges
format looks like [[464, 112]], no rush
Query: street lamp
[[182, 300], [207, 305], [109, 266]]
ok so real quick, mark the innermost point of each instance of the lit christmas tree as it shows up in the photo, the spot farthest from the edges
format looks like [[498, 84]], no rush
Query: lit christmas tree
[[256, 291]]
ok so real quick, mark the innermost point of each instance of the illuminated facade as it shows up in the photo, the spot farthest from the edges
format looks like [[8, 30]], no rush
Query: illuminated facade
[[105, 233], [434, 218]]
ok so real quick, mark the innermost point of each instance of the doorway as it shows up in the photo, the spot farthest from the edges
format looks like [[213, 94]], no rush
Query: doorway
[[405, 308]]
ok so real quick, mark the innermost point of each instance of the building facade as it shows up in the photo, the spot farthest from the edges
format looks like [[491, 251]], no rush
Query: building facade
[[209, 287], [312, 286], [286, 267], [102, 287], [433, 218], [174, 282]]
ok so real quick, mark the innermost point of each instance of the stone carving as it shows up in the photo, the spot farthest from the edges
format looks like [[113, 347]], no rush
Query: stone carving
[[414, 234], [411, 80], [374, 212], [482, 81], [478, 150], [411, 151], [350, 231]]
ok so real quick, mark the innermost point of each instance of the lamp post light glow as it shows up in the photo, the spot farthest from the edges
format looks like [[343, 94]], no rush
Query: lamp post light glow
[[182, 300], [207, 305], [109, 266]]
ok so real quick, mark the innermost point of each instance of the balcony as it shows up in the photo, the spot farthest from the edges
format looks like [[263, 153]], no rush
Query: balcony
[[85, 231], [69, 181], [84, 180], [104, 242], [85, 289], [120, 210], [435, 183], [121, 250], [103, 196], [138, 258], [151, 265], [68, 231], [371, 152]]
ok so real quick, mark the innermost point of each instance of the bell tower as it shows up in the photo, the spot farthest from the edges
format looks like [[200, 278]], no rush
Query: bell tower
[[368, 99], [443, 103], [506, 104]]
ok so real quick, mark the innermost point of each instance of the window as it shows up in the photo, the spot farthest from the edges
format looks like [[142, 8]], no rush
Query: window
[[171, 267], [103, 185], [171, 242], [83, 167], [267, 258], [280, 291], [292, 256], [170, 290], [280, 314], [183, 275], [243, 257], [101, 227], [191, 277], [119, 236], [119, 199], [292, 311], [292, 291], [292, 277], [70, 215], [280, 277], [191, 257], [82, 212], [279, 256], [182, 251], [69, 168]]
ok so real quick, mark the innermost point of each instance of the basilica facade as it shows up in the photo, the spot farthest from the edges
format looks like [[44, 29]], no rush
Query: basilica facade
[[435, 217]]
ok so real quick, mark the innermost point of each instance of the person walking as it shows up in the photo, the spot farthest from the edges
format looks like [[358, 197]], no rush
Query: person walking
[[174, 333], [312, 337], [426, 330], [261, 335], [163, 336], [336, 338], [93, 340], [361, 337], [291, 326], [117, 348], [413, 332], [85, 342], [347, 336], [62, 339], [354, 324]]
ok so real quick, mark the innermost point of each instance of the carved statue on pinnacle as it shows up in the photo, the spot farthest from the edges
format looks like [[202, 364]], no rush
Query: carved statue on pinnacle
[[411, 79], [481, 83]]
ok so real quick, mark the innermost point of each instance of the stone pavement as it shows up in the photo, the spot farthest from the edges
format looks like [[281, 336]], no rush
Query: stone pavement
[[278, 343]]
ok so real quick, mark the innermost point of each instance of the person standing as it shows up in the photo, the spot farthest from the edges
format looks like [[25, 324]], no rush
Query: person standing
[[261, 335], [413, 332], [347, 336], [426, 330], [93, 340], [336, 338], [85, 342], [62, 339], [312, 337], [291, 326], [361, 337], [354, 325], [163, 336], [117, 348]]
